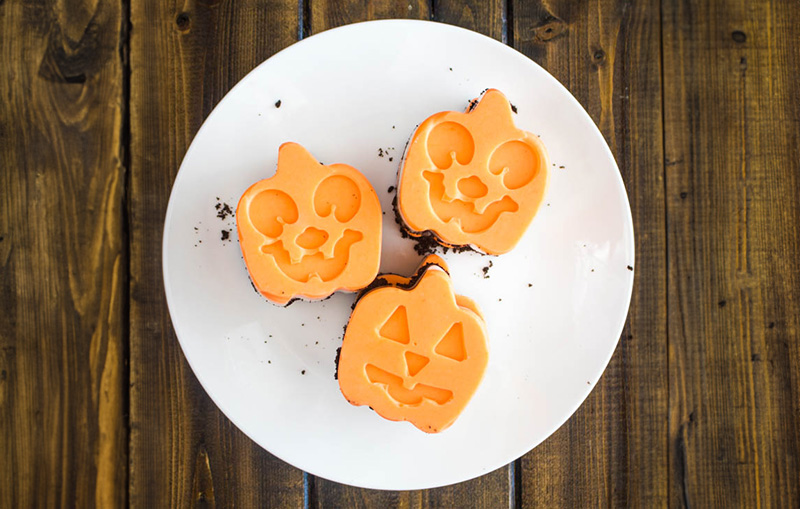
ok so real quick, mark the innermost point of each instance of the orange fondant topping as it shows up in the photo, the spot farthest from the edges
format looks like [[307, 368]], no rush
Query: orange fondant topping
[[473, 178], [309, 230], [414, 354]]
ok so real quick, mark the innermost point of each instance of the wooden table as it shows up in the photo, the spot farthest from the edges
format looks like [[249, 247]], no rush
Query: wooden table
[[699, 101]]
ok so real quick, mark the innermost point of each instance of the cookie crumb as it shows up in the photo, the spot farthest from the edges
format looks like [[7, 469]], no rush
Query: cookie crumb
[[485, 270], [223, 210], [629, 266], [336, 362], [278, 103]]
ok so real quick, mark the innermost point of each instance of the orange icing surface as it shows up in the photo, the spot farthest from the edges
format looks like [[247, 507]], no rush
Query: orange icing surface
[[473, 178], [414, 354], [310, 229]]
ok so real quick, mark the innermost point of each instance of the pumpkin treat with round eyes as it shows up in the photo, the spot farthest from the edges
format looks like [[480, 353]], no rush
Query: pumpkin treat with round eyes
[[472, 179], [309, 230], [413, 350]]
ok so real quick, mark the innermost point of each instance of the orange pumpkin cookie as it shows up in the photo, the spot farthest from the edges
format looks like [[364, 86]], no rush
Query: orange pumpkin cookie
[[413, 350], [473, 178], [310, 229]]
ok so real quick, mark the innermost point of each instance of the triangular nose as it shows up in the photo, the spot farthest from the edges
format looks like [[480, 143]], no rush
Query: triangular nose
[[415, 363]]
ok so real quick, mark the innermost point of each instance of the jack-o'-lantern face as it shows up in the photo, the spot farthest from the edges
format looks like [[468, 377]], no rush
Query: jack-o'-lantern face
[[309, 230], [473, 178], [415, 354]]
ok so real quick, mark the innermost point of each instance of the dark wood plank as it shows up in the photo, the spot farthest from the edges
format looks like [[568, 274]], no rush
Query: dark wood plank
[[494, 489], [732, 127], [325, 14], [484, 16], [63, 268], [612, 452], [184, 57], [490, 491]]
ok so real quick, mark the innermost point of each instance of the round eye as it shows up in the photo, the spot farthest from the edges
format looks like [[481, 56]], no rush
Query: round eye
[[447, 139], [519, 161], [270, 210], [338, 195]]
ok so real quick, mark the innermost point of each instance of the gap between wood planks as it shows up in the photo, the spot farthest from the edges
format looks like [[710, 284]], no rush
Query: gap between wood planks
[[125, 156]]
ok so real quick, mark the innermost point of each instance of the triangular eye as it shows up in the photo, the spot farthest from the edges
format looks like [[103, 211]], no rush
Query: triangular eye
[[415, 362], [396, 327], [452, 344]]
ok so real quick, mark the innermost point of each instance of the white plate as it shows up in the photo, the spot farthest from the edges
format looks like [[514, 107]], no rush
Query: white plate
[[555, 305]]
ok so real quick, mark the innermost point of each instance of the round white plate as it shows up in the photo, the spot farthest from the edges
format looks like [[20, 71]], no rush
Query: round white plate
[[555, 305]]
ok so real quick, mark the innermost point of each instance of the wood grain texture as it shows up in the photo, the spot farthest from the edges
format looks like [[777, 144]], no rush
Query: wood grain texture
[[612, 452], [490, 491], [733, 193], [700, 405], [325, 14], [62, 256], [484, 16], [183, 58], [493, 490]]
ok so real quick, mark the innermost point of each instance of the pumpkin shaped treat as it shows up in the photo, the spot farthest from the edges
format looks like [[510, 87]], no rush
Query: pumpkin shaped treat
[[310, 229], [472, 179], [413, 350]]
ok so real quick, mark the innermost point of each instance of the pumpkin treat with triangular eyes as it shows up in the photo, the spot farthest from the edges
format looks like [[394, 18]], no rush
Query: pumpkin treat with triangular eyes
[[472, 178], [309, 230], [413, 350]]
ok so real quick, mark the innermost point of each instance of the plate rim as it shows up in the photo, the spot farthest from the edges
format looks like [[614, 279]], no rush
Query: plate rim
[[427, 25]]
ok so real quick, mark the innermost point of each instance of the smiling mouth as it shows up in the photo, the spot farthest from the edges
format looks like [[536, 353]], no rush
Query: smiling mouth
[[464, 212], [315, 265], [393, 385]]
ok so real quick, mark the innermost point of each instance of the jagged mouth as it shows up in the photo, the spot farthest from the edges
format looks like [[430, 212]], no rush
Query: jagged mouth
[[315, 265]]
